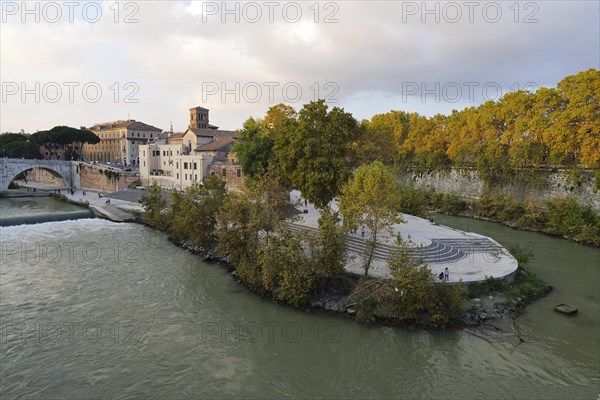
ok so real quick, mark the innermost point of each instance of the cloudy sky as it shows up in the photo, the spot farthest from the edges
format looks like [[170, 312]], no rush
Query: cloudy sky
[[78, 63]]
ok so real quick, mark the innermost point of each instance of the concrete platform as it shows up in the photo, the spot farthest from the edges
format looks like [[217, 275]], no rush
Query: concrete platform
[[467, 255], [116, 211]]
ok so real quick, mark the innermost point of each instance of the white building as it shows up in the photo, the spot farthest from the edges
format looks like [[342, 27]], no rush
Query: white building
[[176, 160]]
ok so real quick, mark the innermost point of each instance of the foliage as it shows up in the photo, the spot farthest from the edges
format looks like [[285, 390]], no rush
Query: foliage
[[329, 250], [64, 137], [254, 148], [155, 206], [412, 293], [270, 260], [312, 151], [567, 217], [412, 200], [370, 200], [504, 140], [193, 212], [246, 221], [16, 145]]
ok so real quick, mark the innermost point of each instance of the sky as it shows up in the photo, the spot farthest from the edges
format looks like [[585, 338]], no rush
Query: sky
[[78, 63]]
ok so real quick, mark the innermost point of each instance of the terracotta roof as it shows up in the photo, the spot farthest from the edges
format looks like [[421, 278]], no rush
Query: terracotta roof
[[129, 124], [215, 145]]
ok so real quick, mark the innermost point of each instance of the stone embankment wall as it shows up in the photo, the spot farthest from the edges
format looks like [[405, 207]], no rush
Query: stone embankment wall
[[45, 176], [95, 178], [467, 184], [86, 177]]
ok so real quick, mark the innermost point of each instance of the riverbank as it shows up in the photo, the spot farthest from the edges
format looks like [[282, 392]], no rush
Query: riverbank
[[105, 205], [559, 217], [492, 315], [334, 299]]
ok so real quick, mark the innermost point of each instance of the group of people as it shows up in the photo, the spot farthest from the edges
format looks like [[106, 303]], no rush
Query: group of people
[[444, 275]]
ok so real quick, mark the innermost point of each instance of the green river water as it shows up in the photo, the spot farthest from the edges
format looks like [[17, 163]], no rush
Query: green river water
[[95, 309]]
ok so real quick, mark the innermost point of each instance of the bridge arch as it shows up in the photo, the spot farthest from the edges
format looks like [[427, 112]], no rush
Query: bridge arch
[[10, 168]]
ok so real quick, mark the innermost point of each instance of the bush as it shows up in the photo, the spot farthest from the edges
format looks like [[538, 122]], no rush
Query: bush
[[412, 200], [450, 203], [567, 217]]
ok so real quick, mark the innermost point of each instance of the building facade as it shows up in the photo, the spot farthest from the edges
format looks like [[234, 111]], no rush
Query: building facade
[[119, 142], [176, 160]]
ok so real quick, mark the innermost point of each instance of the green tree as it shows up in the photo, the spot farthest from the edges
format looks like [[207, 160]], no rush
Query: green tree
[[193, 212], [370, 199], [66, 138], [254, 148], [248, 220], [313, 152], [155, 207], [329, 249], [416, 292], [16, 145]]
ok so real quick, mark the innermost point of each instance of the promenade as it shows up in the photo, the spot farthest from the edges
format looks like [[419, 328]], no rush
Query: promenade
[[469, 257]]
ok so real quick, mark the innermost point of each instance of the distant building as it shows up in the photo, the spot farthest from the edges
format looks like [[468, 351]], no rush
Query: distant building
[[176, 160], [57, 152], [119, 141]]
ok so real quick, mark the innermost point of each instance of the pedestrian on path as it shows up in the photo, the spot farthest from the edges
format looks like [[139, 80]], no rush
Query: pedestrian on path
[[446, 274]]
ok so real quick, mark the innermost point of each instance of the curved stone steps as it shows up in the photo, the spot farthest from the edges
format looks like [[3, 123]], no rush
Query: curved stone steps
[[438, 251]]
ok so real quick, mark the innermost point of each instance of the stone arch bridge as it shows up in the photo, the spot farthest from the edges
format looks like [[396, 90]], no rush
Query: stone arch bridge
[[11, 167]]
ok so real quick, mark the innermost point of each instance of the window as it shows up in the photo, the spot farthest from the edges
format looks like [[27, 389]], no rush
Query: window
[[178, 175], [144, 153], [224, 172], [177, 164], [150, 136], [186, 177], [185, 166], [144, 163], [239, 173], [196, 178], [195, 166], [164, 153]]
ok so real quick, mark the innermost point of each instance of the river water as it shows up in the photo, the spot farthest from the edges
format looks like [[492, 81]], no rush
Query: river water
[[92, 308]]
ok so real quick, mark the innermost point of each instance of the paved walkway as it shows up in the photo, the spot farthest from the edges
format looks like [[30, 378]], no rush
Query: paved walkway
[[467, 255], [117, 210]]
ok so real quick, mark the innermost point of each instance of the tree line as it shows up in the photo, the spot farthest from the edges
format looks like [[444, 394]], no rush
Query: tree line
[[315, 149], [71, 140]]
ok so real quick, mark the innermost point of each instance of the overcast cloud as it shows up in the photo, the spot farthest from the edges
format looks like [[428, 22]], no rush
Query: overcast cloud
[[370, 58]]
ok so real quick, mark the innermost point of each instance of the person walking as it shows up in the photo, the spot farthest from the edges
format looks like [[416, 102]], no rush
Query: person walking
[[446, 274]]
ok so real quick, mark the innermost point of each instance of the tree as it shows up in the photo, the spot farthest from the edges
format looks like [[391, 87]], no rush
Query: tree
[[254, 148], [193, 212], [64, 137], [416, 292], [329, 248], [370, 199], [16, 145], [155, 207], [248, 220], [313, 152]]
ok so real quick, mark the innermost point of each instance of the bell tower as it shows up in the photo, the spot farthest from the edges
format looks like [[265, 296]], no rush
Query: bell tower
[[199, 117]]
